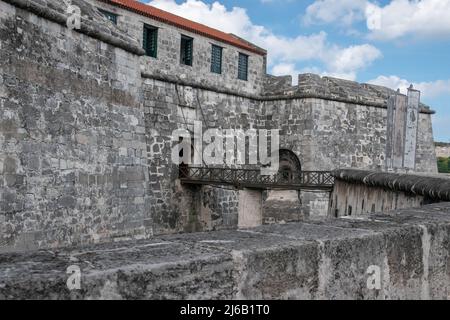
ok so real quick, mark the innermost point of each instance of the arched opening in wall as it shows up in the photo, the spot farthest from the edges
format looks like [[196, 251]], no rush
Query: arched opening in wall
[[290, 166], [189, 157]]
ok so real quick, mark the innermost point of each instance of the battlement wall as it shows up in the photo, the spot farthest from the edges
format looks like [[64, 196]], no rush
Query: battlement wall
[[360, 192]]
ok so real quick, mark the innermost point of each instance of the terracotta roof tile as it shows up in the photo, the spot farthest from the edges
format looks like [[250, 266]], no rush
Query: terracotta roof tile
[[191, 26]]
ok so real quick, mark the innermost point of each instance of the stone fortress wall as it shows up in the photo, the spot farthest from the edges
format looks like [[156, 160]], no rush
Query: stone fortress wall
[[73, 161], [86, 150]]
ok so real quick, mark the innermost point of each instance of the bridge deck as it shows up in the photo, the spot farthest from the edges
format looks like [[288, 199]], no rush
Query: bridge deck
[[252, 178]]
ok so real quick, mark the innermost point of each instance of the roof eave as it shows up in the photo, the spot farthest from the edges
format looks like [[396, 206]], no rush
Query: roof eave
[[246, 47]]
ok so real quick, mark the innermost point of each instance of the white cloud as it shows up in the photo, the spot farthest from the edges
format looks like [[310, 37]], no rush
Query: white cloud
[[401, 18], [344, 12], [397, 19], [282, 69], [352, 59], [428, 89], [290, 69], [284, 53]]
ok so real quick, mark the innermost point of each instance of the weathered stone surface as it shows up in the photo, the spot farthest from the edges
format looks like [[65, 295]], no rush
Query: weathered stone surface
[[359, 192], [167, 63], [86, 127], [69, 104], [92, 24], [280, 206], [250, 208], [327, 259], [434, 187]]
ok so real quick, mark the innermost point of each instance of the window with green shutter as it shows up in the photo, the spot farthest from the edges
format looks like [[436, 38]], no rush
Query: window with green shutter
[[186, 49], [150, 40], [243, 66], [216, 59], [109, 15]]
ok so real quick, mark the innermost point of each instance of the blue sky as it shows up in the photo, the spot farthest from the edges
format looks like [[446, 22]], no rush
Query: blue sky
[[387, 42]]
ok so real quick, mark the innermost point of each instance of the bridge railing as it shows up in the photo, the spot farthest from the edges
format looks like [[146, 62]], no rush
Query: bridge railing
[[254, 178]]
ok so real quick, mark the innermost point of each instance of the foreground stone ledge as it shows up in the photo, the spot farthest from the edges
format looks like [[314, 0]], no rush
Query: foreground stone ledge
[[325, 259]]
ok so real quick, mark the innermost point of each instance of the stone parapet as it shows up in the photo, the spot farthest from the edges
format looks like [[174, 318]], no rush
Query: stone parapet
[[328, 88], [431, 186], [93, 23], [327, 259]]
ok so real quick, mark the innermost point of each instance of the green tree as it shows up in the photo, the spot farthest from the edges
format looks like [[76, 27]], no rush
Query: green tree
[[443, 165]]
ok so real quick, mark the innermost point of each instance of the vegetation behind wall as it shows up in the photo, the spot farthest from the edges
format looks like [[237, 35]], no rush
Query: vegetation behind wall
[[444, 165]]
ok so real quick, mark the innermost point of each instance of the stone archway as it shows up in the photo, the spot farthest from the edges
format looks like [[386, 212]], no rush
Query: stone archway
[[290, 165], [284, 205]]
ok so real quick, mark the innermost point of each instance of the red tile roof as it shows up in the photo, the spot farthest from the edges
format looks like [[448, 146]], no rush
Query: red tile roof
[[191, 26]]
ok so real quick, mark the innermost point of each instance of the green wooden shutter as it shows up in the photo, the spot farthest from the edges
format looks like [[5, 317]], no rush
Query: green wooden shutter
[[154, 45], [109, 15], [144, 40], [243, 67], [150, 41], [216, 59], [186, 50], [189, 52]]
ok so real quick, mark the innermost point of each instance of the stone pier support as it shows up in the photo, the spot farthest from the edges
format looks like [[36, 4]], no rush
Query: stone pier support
[[250, 208], [282, 206]]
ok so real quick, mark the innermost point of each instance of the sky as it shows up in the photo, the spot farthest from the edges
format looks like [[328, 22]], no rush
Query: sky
[[393, 43]]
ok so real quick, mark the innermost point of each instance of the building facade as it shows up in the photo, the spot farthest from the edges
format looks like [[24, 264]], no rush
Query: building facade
[[442, 150]]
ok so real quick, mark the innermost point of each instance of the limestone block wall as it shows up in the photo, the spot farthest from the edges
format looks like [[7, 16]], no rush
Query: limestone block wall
[[219, 208], [169, 107], [425, 152], [167, 62], [280, 206], [324, 134], [332, 123], [327, 135], [250, 208], [86, 127], [73, 162]]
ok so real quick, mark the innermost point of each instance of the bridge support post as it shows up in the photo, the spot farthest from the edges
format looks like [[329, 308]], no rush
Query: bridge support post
[[250, 208], [282, 206]]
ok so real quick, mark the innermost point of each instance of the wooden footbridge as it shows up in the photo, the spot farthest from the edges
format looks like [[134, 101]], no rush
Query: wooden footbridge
[[252, 178]]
